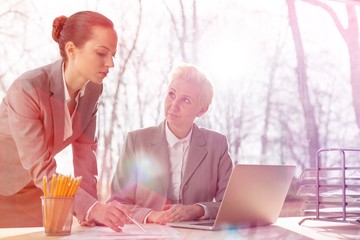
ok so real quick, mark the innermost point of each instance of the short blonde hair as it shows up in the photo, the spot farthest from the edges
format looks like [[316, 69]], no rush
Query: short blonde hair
[[192, 74]]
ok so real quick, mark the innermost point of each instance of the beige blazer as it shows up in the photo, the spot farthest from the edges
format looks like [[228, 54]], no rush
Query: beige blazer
[[32, 130], [142, 176]]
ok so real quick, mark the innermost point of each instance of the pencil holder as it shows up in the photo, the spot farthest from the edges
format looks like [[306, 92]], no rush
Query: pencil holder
[[57, 215]]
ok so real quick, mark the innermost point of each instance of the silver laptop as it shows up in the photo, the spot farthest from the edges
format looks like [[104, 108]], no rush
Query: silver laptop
[[253, 197]]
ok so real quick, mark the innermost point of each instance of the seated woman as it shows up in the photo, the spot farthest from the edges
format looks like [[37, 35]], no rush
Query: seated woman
[[175, 171]]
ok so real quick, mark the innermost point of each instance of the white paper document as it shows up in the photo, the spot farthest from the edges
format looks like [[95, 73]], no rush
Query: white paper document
[[130, 231]]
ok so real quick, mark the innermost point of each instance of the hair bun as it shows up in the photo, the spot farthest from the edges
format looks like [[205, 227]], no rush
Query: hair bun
[[58, 25]]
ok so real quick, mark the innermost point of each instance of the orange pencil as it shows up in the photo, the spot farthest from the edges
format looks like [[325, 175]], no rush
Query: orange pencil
[[77, 184], [45, 186], [52, 185]]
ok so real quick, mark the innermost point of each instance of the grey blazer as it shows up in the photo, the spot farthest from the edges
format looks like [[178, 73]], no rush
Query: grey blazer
[[32, 131], [142, 175]]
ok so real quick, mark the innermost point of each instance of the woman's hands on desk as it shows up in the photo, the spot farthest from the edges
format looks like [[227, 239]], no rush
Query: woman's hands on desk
[[112, 214], [176, 213]]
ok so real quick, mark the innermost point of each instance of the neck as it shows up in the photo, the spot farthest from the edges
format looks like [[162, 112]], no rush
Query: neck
[[73, 83], [180, 133]]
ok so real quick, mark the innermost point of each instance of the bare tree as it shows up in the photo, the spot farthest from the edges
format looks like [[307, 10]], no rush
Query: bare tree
[[110, 103], [186, 27], [179, 29], [311, 127], [9, 34], [350, 34], [268, 102]]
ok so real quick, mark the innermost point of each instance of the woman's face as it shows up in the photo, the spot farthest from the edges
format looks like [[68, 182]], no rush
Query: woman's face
[[93, 61], [182, 105]]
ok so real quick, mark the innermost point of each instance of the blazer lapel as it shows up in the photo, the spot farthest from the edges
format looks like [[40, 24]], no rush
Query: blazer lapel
[[57, 101], [158, 147], [196, 155]]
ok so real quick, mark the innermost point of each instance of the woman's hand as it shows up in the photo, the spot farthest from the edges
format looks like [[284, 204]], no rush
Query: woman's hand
[[176, 213], [154, 216], [112, 214]]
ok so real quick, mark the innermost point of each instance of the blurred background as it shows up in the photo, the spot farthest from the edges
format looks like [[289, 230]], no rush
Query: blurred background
[[286, 73]]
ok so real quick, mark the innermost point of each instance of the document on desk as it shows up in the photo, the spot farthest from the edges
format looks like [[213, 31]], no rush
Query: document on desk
[[130, 231]]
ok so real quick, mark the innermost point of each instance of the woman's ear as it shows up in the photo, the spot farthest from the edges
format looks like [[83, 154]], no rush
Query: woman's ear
[[70, 49], [202, 111]]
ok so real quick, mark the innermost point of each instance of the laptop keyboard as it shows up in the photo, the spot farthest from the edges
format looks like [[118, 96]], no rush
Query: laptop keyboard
[[204, 223]]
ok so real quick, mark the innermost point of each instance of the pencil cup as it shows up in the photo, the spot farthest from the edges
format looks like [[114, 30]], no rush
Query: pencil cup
[[57, 215]]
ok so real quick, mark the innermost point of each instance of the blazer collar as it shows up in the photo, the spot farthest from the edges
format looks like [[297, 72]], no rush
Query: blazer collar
[[197, 153], [158, 147], [57, 100], [197, 149]]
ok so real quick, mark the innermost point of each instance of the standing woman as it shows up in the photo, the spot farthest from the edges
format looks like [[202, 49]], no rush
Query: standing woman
[[49, 108]]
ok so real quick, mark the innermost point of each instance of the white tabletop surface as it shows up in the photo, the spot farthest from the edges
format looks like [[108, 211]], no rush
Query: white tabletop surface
[[284, 228]]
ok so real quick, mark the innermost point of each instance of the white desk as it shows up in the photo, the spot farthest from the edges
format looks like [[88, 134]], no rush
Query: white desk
[[285, 228]]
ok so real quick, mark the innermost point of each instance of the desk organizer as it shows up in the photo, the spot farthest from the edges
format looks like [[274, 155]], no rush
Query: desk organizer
[[331, 190]]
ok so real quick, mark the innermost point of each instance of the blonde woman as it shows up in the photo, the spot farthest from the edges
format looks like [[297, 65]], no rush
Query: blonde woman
[[176, 171]]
